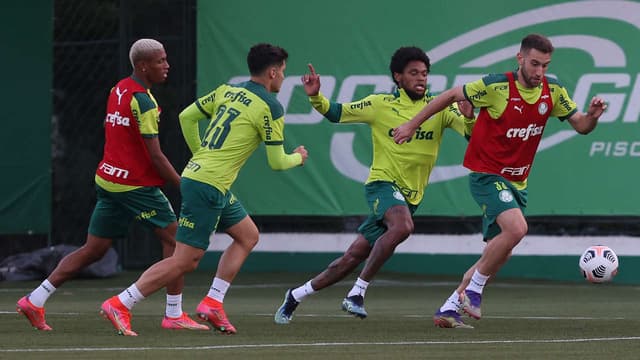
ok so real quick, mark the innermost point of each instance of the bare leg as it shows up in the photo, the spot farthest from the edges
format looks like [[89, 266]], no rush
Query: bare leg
[[245, 237], [497, 252], [93, 250], [399, 227], [184, 259], [167, 237], [344, 265]]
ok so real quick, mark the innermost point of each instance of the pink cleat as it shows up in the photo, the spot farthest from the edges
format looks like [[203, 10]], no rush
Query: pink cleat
[[211, 310], [182, 322], [113, 310], [34, 314]]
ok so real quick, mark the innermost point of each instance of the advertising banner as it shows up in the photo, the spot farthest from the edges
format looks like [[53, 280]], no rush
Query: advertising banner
[[350, 44]]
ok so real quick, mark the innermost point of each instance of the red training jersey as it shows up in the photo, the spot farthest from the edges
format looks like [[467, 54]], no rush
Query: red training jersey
[[126, 159], [507, 146]]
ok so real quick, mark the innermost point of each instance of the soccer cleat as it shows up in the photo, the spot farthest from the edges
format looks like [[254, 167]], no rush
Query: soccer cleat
[[182, 322], [284, 314], [120, 317], [449, 319], [211, 310], [471, 301], [34, 314], [354, 305]]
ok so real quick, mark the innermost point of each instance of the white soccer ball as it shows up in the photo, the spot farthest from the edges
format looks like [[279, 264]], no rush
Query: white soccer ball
[[598, 264]]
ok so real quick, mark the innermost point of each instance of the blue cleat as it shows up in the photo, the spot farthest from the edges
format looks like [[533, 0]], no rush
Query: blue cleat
[[449, 319], [354, 305], [471, 302], [284, 314]]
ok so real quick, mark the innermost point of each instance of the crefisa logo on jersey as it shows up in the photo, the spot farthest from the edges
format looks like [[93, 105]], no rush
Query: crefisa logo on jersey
[[115, 119]]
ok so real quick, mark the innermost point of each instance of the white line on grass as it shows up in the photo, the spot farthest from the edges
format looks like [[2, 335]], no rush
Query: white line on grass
[[328, 344], [407, 316]]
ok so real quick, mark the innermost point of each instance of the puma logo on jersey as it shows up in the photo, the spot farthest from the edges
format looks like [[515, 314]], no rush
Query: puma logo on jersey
[[119, 94], [519, 108]]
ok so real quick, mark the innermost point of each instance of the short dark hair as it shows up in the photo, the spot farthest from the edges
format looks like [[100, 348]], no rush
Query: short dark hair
[[538, 42], [263, 55], [403, 56]]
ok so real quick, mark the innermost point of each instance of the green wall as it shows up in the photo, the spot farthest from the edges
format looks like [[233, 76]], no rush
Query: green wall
[[25, 126]]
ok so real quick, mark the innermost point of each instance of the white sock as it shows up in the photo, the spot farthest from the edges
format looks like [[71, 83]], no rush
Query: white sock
[[477, 282], [359, 288], [452, 303], [130, 296], [40, 294], [218, 289], [174, 306], [302, 291]]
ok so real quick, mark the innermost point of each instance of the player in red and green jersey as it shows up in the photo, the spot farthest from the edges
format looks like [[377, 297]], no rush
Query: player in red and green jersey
[[397, 177], [128, 178], [514, 109], [241, 117]]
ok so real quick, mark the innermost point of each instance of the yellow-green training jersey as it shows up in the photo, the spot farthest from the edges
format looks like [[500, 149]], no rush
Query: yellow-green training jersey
[[242, 116], [407, 165]]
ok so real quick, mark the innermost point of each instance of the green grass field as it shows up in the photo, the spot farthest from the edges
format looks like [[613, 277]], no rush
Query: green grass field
[[522, 320]]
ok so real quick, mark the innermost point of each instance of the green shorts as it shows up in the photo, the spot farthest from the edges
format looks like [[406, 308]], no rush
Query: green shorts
[[381, 195], [204, 210], [494, 194], [115, 210]]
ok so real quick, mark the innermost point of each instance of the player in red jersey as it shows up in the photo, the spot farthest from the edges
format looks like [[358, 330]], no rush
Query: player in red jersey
[[127, 185], [514, 108]]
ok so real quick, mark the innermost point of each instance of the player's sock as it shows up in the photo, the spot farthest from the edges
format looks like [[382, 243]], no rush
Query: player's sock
[[218, 289], [40, 294], [477, 282], [452, 303], [302, 291], [130, 296], [359, 288], [174, 306]]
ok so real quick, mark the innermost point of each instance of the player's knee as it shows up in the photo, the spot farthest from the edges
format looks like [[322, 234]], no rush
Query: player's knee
[[249, 241], [402, 229], [353, 258]]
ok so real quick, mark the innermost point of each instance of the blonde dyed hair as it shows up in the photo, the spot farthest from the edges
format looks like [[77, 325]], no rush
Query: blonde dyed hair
[[141, 49]]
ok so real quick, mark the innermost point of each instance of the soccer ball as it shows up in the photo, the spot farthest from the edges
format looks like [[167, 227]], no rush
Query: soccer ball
[[598, 264]]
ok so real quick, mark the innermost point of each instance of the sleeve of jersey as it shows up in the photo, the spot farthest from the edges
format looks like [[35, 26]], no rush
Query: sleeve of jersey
[[279, 160], [476, 93], [458, 122], [147, 114], [272, 132], [563, 105], [191, 116], [354, 112]]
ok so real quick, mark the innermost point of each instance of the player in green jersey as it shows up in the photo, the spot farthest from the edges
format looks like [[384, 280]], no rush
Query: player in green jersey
[[514, 109], [397, 177], [128, 183], [241, 117]]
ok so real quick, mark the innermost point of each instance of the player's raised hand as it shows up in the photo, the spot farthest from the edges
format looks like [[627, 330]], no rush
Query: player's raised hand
[[303, 152], [596, 107], [311, 82]]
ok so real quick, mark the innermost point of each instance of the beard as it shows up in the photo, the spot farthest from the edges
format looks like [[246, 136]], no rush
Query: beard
[[528, 80], [414, 95]]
